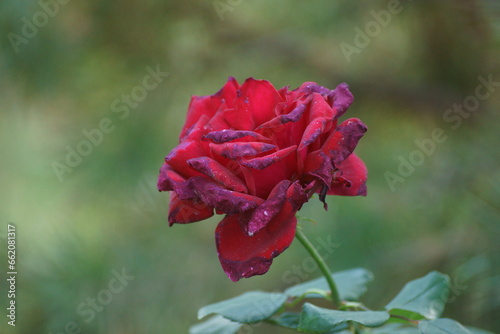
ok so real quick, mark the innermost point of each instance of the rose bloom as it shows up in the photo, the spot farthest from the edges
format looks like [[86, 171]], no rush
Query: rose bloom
[[257, 154]]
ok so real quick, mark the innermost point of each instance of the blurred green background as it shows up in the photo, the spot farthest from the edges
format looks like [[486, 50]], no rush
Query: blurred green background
[[63, 75]]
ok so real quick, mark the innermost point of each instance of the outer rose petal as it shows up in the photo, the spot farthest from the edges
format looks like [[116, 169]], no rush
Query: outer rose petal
[[339, 145], [197, 130], [218, 173], [187, 211], [227, 201], [170, 180], [209, 105], [344, 139], [350, 180], [310, 87], [165, 180], [341, 98], [258, 218], [178, 157], [244, 256]]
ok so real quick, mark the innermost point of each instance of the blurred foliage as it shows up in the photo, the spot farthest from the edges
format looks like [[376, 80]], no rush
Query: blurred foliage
[[106, 213]]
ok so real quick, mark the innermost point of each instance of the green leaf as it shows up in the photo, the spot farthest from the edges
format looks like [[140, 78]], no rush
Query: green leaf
[[351, 284], [248, 308], [425, 296], [288, 320], [318, 319], [442, 326], [291, 320], [216, 325], [395, 329]]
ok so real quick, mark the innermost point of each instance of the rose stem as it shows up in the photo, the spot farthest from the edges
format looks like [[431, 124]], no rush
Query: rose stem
[[321, 264]]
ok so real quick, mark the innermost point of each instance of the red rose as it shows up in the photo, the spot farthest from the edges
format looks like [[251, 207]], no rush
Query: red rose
[[257, 154]]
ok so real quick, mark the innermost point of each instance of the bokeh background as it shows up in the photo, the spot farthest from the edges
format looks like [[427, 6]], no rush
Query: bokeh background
[[64, 75]]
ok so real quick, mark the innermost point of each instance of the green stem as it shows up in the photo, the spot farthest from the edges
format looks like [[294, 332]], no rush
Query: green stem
[[321, 264]]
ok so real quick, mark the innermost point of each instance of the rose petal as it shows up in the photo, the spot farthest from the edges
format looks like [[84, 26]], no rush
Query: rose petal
[[320, 108], [257, 99], [313, 131], [350, 179], [218, 173], [292, 116], [321, 120], [165, 180], [261, 182], [341, 98], [344, 139], [227, 201], [286, 129], [197, 130], [171, 180], [312, 87], [229, 135], [209, 105], [187, 211], [186, 150], [297, 196], [268, 160], [237, 150], [258, 218], [319, 165], [244, 256], [285, 93], [218, 121], [339, 145], [229, 91]]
